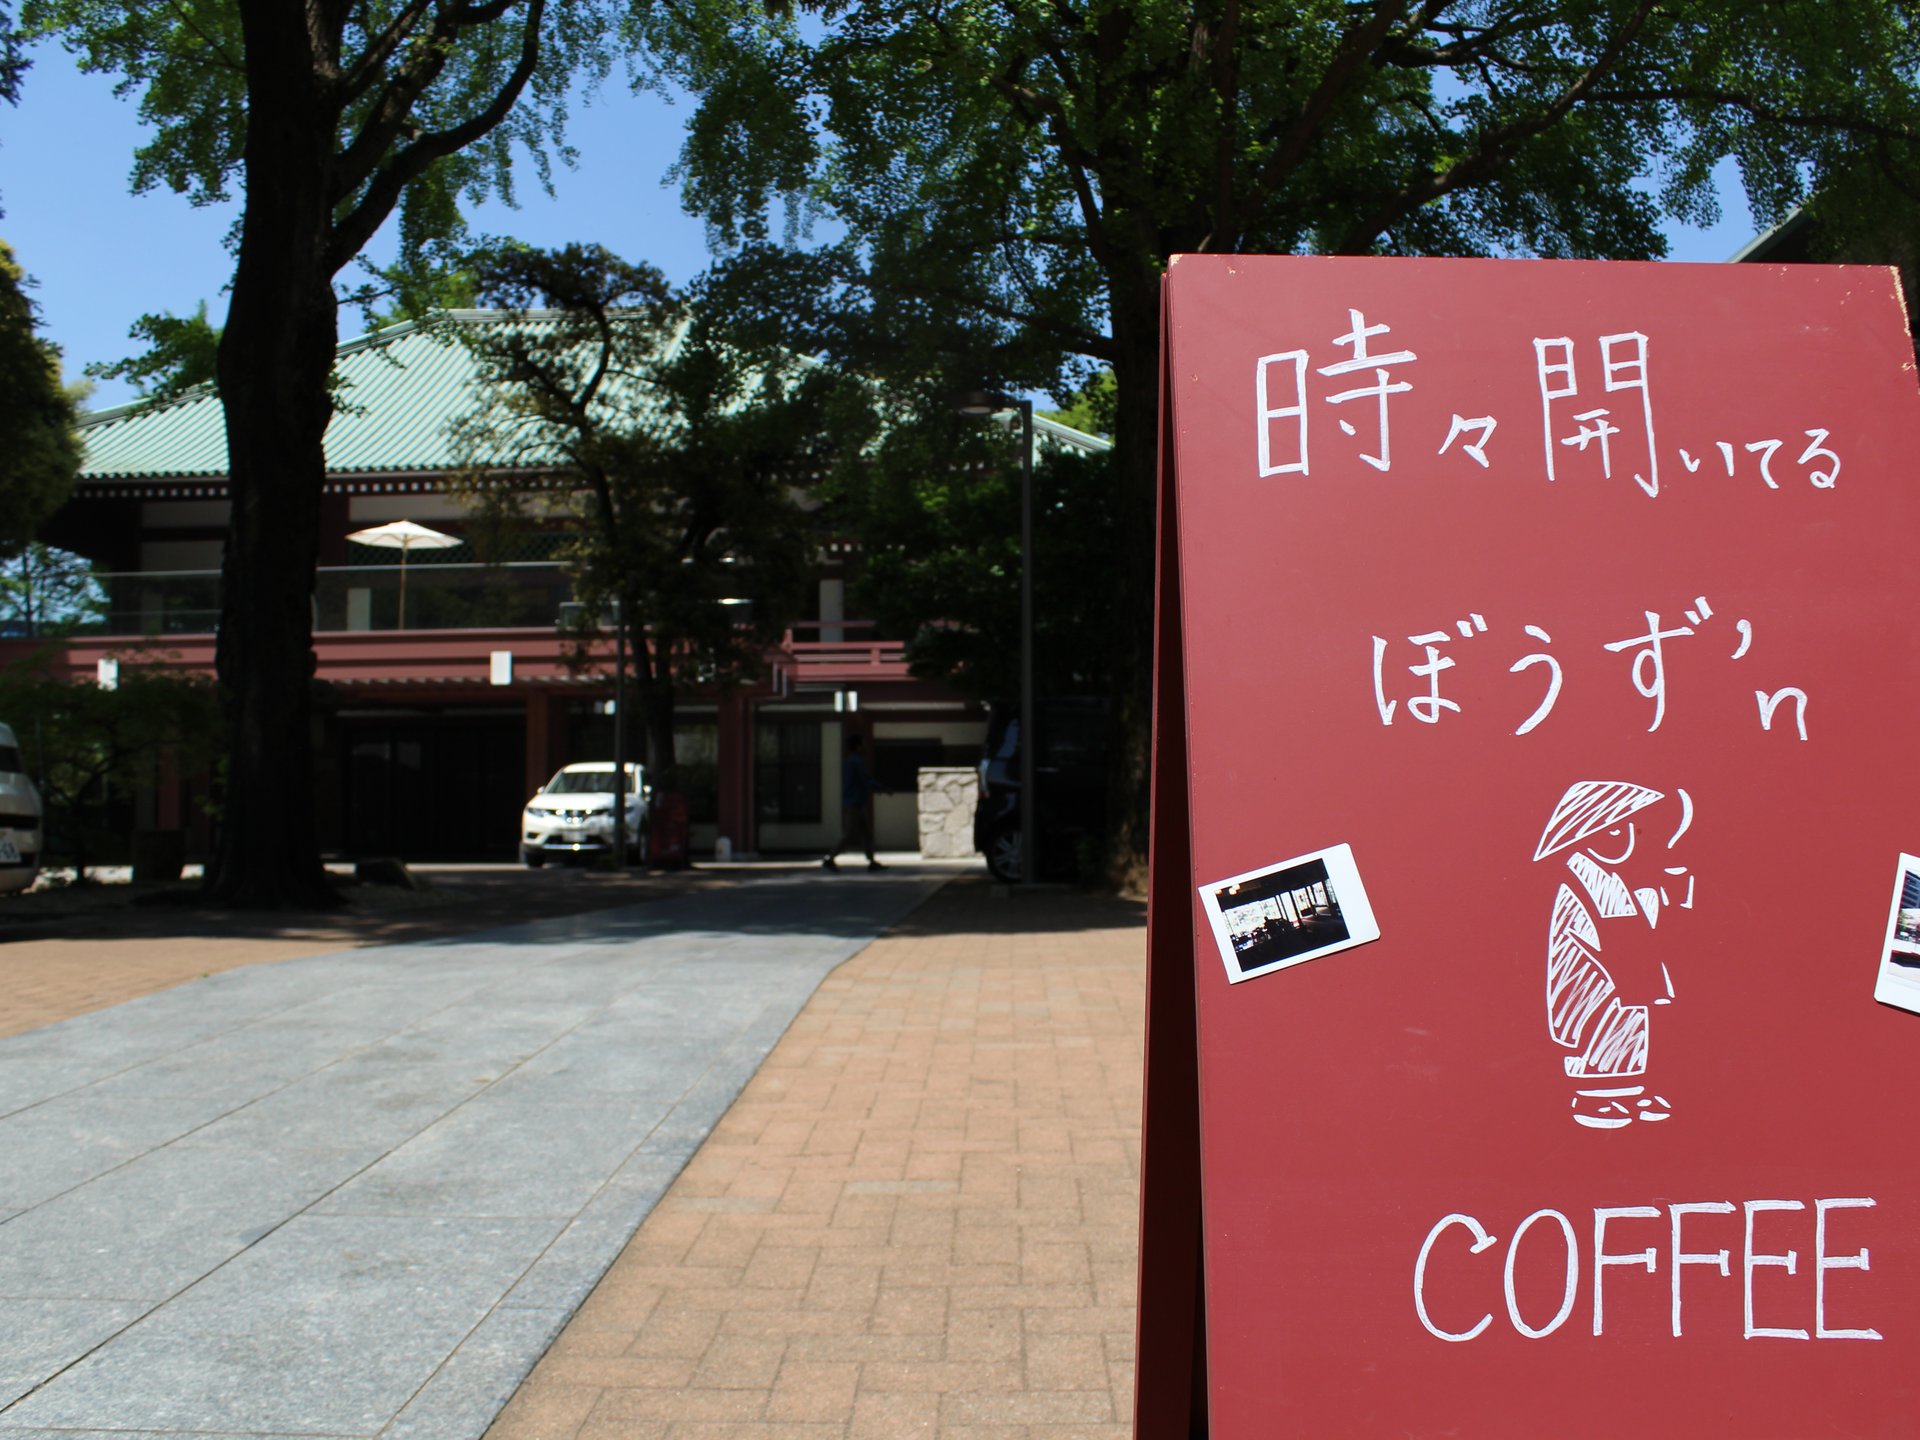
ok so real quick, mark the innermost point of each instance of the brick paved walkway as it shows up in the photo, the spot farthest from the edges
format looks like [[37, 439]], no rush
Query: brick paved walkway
[[49, 980], [918, 1219]]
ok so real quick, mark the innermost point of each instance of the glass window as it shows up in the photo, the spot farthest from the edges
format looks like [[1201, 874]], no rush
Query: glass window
[[589, 782], [787, 770]]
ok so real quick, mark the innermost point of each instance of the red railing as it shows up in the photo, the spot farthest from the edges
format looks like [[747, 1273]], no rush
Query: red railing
[[814, 653], [839, 650]]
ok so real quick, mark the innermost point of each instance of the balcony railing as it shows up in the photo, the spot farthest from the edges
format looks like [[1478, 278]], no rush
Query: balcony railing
[[359, 599], [346, 599], [819, 653]]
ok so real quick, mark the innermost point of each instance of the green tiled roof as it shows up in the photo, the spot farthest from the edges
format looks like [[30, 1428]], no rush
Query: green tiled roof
[[405, 387]]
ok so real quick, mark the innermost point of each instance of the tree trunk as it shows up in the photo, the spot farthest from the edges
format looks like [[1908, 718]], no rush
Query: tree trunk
[[1135, 308], [657, 706], [275, 358]]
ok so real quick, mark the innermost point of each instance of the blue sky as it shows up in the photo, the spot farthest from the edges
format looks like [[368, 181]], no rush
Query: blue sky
[[103, 257]]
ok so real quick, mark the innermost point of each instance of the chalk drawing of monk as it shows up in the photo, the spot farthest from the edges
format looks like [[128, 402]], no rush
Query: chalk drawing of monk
[[1611, 835]]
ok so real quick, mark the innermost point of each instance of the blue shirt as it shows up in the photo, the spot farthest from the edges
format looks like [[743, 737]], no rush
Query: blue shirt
[[856, 781]]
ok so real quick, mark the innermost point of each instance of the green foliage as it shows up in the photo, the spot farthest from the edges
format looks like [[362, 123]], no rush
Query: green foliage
[[1090, 410], [1030, 167], [424, 104], [185, 63], [87, 744], [682, 450], [182, 352], [1860, 219], [413, 294], [13, 59], [44, 591], [990, 190], [39, 451], [940, 505]]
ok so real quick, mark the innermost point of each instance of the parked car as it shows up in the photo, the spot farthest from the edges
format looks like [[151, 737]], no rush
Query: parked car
[[572, 815], [22, 825], [1070, 772]]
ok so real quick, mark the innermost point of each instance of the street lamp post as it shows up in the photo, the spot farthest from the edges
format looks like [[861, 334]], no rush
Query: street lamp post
[[982, 404], [619, 735]]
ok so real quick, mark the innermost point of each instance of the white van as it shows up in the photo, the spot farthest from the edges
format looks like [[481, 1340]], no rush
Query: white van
[[21, 832]]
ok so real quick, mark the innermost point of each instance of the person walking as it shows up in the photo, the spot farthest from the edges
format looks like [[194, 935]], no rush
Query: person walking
[[856, 808]]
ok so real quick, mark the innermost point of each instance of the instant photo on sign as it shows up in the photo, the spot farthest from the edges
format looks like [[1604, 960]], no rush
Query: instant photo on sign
[[1286, 914], [1898, 982], [1578, 600]]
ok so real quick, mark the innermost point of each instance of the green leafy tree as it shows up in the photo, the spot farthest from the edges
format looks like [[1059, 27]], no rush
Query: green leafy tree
[[13, 59], [1090, 410], [88, 744], [681, 450], [1012, 176], [333, 115], [39, 450], [411, 293], [182, 351], [47, 591], [935, 500], [1864, 217]]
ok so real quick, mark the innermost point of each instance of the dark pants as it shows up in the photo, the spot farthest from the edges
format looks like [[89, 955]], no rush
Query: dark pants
[[857, 823]]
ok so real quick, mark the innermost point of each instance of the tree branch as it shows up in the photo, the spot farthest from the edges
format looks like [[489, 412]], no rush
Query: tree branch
[[1359, 44], [1469, 43], [1497, 145], [1757, 109], [185, 16], [1043, 112], [1068, 337], [390, 111], [353, 231], [1224, 72], [323, 42], [482, 14], [368, 68]]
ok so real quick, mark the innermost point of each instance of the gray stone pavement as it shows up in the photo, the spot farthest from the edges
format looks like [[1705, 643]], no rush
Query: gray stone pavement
[[358, 1194]]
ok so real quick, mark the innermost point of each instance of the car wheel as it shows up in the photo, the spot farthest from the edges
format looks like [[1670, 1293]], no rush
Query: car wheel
[[1003, 855], [533, 859]]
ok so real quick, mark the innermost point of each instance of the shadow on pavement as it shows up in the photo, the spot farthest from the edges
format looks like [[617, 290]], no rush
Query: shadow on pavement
[[468, 901], [971, 904], [459, 899]]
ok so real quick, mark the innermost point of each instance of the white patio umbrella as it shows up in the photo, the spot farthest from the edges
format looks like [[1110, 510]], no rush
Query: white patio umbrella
[[404, 536]]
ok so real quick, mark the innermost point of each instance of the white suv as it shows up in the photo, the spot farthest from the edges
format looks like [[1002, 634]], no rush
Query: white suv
[[573, 815], [21, 832]]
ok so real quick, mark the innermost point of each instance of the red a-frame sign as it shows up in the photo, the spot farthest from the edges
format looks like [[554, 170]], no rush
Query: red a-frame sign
[[1535, 914]]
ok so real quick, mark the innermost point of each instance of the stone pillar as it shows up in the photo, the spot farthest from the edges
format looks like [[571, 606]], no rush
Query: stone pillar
[[948, 794]]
